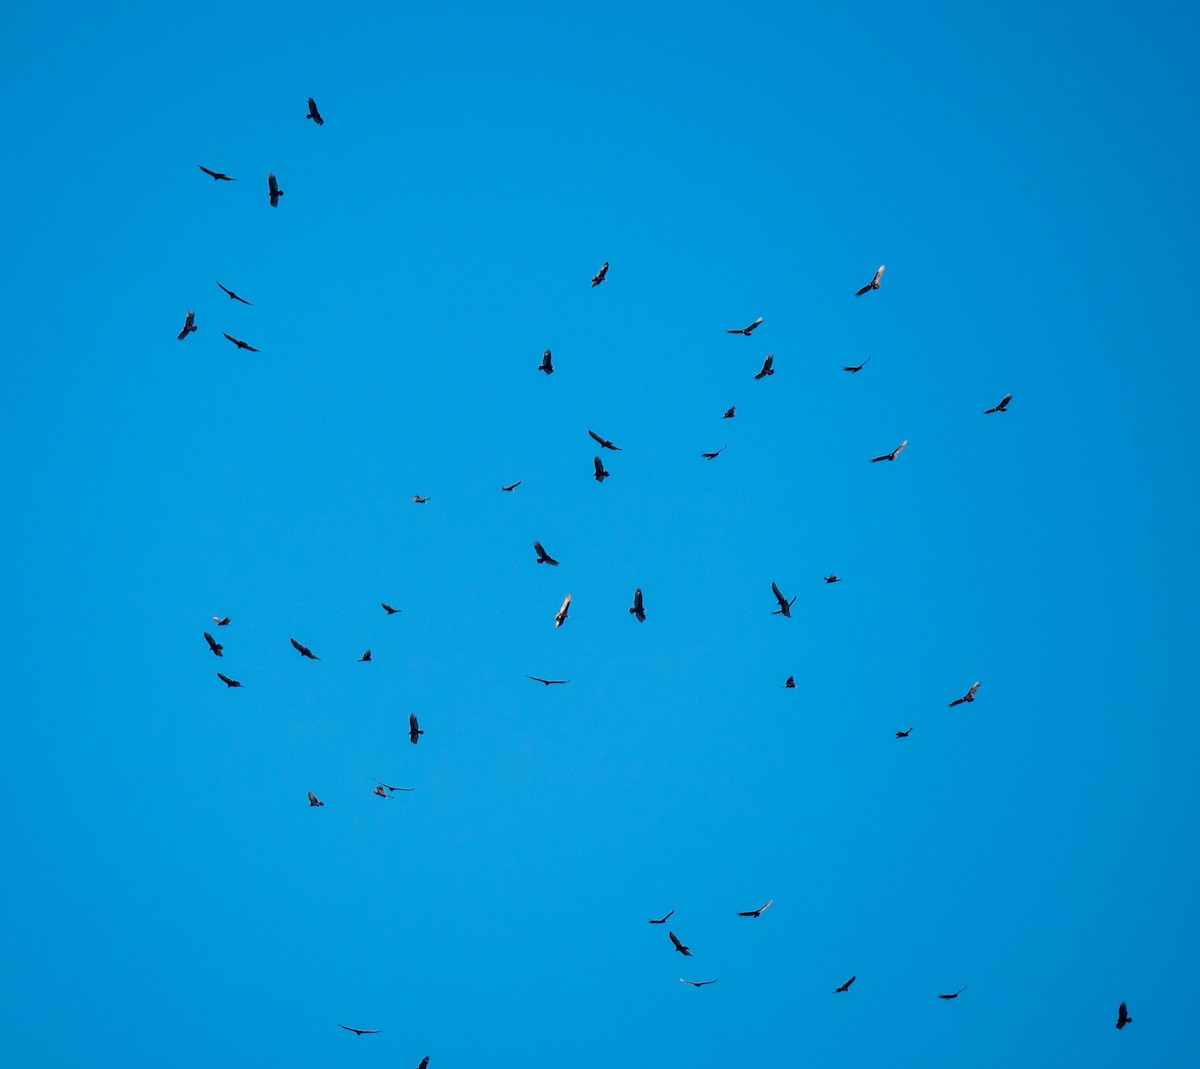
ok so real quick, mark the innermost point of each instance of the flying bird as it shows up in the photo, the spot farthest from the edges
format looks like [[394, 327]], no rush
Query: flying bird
[[845, 986], [388, 609], [601, 474], [785, 606], [663, 920], [1001, 407], [419, 500], [560, 617], [903, 734], [313, 113], [227, 681], [604, 442], [873, 284], [189, 324], [789, 683], [685, 951], [510, 488], [389, 787], [424, 1063], [222, 622], [239, 343], [968, 697], [598, 277], [832, 577], [365, 657], [304, 651], [313, 799], [233, 296], [360, 1031], [213, 644], [414, 731], [713, 456], [756, 912], [1123, 1017], [546, 364], [858, 367], [275, 191], [217, 175], [697, 983], [730, 412], [381, 792], [542, 556], [956, 993], [747, 330], [767, 368], [548, 682], [638, 609], [892, 455]]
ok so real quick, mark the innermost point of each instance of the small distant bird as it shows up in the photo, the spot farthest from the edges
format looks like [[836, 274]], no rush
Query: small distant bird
[[389, 787], [785, 606], [767, 368], [360, 1031], [510, 488], [968, 697], [747, 330], [845, 986], [598, 277], [604, 442], [275, 191], [313, 113], [239, 343], [697, 983], [542, 556], [546, 364], [832, 577], [1123, 1017], [638, 609], [313, 799], [424, 1063], [388, 609], [873, 284], [956, 993], [304, 651], [730, 412], [227, 681], [381, 792], [857, 367], [756, 912], [189, 324], [685, 951], [548, 682], [713, 456], [217, 175], [233, 296], [892, 455], [903, 734], [1001, 407], [213, 644], [414, 731], [419, 500], [601, 474], [663, 920], [789, 683], [365, 657], [560, 617], [222, 622]]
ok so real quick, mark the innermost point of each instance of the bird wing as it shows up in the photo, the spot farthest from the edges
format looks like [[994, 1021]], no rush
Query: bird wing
[[412, 722], [778, 594], [274, 186], [596, 436], [206, 170], [878, 276], [312, 798], [675, 940], [664, 919], [970, 695], [754, 325], [1003, 403], [899, 449], [599, 465], [769, 901], [297, 645]]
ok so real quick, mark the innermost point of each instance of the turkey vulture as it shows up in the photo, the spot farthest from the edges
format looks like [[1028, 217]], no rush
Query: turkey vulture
[[561, 616], [713, 456], [785, 606], [604, 442], [858, 367], [227, 681], [845, 986], [389, 787], [304, 651], [389, 610], [365, 657], [1001, 407], [663, 920], [832, 577], [697, 983], [601, 474], [685, 951], [767, 368], [546, 365], [239, 343], [872, 285], [217, 175], [509, 489], [424, 1063], [1123, 1017], [381, 792], [275, 191], [313, 113], [892, 455], [730, 412], [903, 734], [313, 799], [746, 330], [222, 622], [956, 993], [360, 1031], [419, 500], [413, 730], [789, 683], [598, 277], [548, 682], [756, 912], [638, 609], [213, 644], [189, 324], [233, 296], [968, 697], [542, 556]]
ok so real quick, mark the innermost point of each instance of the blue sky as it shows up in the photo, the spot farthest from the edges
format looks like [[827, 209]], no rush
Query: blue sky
[[1025, 175]]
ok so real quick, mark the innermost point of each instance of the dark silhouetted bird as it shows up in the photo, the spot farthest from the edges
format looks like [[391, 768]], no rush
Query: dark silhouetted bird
[[1123, 1017], [604, 442], [560, 617], [313, 799], [313, 113], [227, 681], [832, 577], [903, 734], [638, 609], [785, 606], [365, 657], [601, 474], [511, 487], [360, 1031], [1001, 407], [389, 787], [419, 500], [546, 365], [697, 983], [239, 343], [388, 609], [381, 792], [747, 330], [223, 621], [968, 697], [599, 276], [956, 993], [789, 683], [857, 367], [663, 920], [757, 912], [304, 651], [274, 191], [217, 175], [189, 324], [548, 682], [892, 455], [713, 456], [873, 284], [414, 730], [685, 951], [424, 1063], [730, 412], [767, 368], [233, 296], [213, 644], [542, 556], [845, 986]]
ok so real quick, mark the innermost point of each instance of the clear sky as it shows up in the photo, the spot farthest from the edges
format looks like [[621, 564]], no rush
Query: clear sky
[[1028, 179]]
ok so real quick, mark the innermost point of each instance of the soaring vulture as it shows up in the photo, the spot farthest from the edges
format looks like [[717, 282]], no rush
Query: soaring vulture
[[663, 920], [903, 734], [561, 616], [546, 364], [414, 731], [789, 683], [767, 368], [189, 324], [213, 644], [685, 951], [598, 277], [542, 556], [968, 697], [223, 621], [313, 113], [845, 986], [419, 500], [604, 442], [785, 606], [360, 1031], [388, 609], [313, 799], [239, 343], [832, 577], [227, 681], [730, 412], [233, 296], [713, 456], [956, 993], [1001, 407], [548, 682], [857, 367], [511, 487], [601, 474], [304, 651], [389, 787], [424, 1063], [756, 912], [892, 455], [217, 175], [1123, 1017], [365, 657], [697, 983], [275, 191], [747, 330], [637, 608], [873, 284]]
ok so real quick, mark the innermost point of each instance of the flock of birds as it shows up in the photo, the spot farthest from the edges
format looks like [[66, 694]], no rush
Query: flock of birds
[[637, 609]]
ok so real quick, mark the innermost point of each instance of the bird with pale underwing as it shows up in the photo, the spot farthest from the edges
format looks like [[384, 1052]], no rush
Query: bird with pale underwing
[[747, 330], [600, 275], [560, 617], [968, 697], [873, 284], [892, 455], [313, 799], [189, 325], [756, 912], [223, 621], [1001, 407], [768, 367]]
